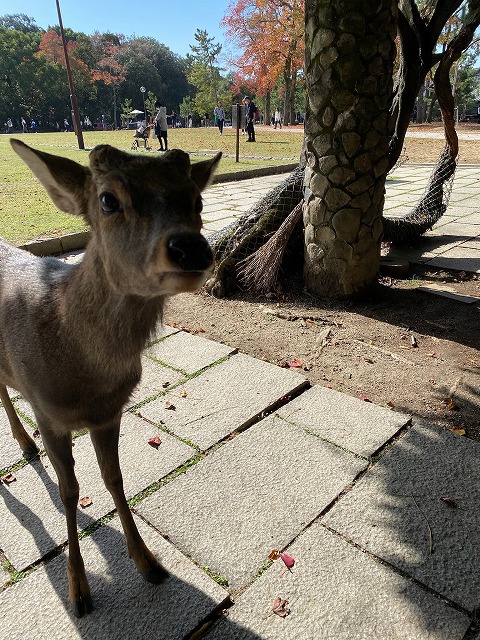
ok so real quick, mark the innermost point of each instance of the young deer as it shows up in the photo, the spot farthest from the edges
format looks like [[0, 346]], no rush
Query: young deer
[[71, 335]]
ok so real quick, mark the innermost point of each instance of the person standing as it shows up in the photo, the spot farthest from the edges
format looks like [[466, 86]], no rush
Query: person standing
[[277, 118], [219, 114], [161, 126], [250, 111], [24, 125]]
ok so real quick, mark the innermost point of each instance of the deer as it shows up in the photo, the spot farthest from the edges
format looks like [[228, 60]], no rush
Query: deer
[[71, 335]]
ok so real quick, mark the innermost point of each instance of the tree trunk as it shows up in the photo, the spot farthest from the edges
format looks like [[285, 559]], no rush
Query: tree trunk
[[267, 111], [349, 68], [287, 77]]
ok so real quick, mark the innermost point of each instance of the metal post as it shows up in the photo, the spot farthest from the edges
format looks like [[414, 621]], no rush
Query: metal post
[[73, 98], [142, 89], [237, 145]]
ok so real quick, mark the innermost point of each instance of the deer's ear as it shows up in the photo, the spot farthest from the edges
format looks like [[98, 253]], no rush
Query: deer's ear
[[202, 172], [64, 179]]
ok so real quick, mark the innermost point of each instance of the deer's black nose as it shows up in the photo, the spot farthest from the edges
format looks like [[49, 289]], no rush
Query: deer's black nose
[[190, 252]]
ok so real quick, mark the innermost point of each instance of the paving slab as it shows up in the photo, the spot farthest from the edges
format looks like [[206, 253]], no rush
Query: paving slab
[[336, 592], [155, 380], [32, 520], [187, 352], [447, 291], [396, 511], [222, 399], [360, 427], [125, 606], [252, 495], [458, 259]]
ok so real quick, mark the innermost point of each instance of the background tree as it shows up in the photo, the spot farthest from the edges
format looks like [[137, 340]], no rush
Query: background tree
[[359, 106], [204, 74], [270, 34]]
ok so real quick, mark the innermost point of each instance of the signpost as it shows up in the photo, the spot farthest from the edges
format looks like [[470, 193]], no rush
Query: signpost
[[238, 122]]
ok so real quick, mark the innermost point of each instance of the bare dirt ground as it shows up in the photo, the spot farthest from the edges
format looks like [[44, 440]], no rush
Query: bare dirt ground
[[403, 348], [420, 150]]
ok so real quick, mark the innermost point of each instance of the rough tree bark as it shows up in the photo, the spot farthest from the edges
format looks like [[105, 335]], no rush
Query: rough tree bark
[[349, 69]]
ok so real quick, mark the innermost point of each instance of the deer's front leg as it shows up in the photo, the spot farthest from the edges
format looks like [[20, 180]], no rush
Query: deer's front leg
[[26, 442], [105, 441], [59, 450]]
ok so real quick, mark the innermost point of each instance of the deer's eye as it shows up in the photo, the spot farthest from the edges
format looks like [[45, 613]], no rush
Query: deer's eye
[[109, 203]]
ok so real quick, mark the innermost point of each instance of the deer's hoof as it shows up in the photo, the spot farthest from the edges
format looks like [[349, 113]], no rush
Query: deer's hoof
[[156, 574], [82, 605]]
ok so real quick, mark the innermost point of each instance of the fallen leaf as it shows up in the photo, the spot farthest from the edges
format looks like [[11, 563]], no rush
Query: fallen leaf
[[169, 405], [295, 364], [85, 502], [274, 554], [432, 355], [369, 360], [201, 330], [364, 398], [449, 501], [413, 341], [280, 607], [450, 404], [183, 393], [458, 432], [155, 442], [390, 405], [165, 385], [288, 560], [9, 478], [36, 433]]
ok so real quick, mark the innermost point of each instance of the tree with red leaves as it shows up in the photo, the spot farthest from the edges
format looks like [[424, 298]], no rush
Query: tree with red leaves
[[270, 33]]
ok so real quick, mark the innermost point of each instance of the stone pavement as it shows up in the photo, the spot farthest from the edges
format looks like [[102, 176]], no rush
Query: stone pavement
[[380, 512]]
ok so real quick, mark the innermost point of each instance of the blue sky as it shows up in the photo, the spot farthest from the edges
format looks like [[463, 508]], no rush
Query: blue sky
[[171, 23]]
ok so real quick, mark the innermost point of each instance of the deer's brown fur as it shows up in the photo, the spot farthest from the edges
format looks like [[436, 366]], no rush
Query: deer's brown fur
[[71, 335]]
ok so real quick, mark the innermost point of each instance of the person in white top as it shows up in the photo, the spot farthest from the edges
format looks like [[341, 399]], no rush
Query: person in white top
[[277, 118], [160, 126]]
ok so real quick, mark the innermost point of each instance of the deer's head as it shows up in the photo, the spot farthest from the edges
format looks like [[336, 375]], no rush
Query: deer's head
[[144, 213]]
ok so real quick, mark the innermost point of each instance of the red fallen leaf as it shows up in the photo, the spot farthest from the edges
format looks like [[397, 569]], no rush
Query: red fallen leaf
[[155, 442], [169, 405], [288, 560], [449, 501], [85, 502], [9, 478], [280, 607], [364, 398], [295, 364]]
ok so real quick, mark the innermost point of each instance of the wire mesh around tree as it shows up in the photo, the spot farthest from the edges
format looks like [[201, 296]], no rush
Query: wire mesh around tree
[[249, 251]]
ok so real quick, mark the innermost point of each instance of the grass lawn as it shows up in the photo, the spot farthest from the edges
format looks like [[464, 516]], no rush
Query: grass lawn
[[27, 213]]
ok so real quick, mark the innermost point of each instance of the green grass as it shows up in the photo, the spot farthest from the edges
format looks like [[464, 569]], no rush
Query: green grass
[[27, 213]]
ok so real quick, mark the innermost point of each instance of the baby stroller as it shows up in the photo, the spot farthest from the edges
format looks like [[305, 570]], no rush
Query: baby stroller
[[142, 134]]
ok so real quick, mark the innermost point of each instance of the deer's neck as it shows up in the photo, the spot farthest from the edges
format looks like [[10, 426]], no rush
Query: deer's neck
[[102, 318]]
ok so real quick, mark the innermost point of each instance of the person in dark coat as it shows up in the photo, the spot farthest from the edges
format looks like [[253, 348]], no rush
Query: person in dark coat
[[250, 112]]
